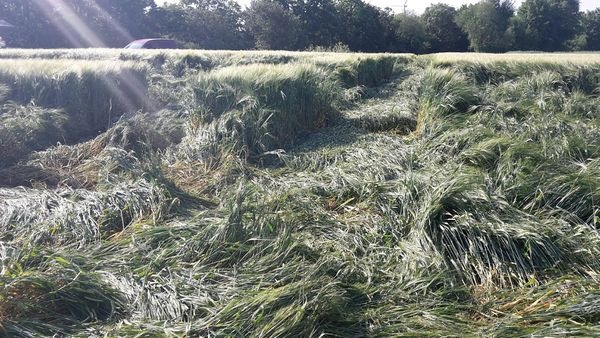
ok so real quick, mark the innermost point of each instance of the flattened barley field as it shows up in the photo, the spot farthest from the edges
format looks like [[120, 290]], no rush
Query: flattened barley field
[[278, 194]]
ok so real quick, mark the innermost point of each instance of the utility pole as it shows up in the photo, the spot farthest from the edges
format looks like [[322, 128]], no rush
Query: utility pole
[[405, 5]]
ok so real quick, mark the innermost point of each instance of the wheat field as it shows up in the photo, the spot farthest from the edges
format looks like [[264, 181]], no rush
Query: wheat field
[[289, 194]]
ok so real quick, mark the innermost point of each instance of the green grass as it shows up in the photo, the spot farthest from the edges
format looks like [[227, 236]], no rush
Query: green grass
[[63, 101], [259, 108], [286, 194]]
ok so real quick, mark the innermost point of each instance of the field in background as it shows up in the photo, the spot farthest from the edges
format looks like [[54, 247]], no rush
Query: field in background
[[285, 194], [531, 58]]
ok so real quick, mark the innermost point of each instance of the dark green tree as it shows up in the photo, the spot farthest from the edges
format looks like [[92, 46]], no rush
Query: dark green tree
[[209, 24], [591, 29], [442, 31], [410, 34], [318, 20], [32, 28], [120, 21], [273, 26], [363, 26], [75, 23], [486, 24], [546, 25]]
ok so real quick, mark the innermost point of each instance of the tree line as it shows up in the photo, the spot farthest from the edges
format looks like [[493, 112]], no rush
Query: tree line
[[486, 26]]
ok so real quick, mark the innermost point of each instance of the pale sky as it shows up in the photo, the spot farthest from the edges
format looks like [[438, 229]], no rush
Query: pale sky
[[419, 6]]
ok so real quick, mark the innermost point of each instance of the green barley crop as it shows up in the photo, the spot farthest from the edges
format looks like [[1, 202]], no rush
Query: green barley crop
[[289, 194]]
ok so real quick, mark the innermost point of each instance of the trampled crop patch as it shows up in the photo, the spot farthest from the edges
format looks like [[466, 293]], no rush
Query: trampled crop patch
[[288, 194]]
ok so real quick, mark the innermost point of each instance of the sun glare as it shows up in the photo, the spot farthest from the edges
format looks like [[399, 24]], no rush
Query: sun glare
[[73, 27], [68, 22], [80, 35], [115, 24]]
